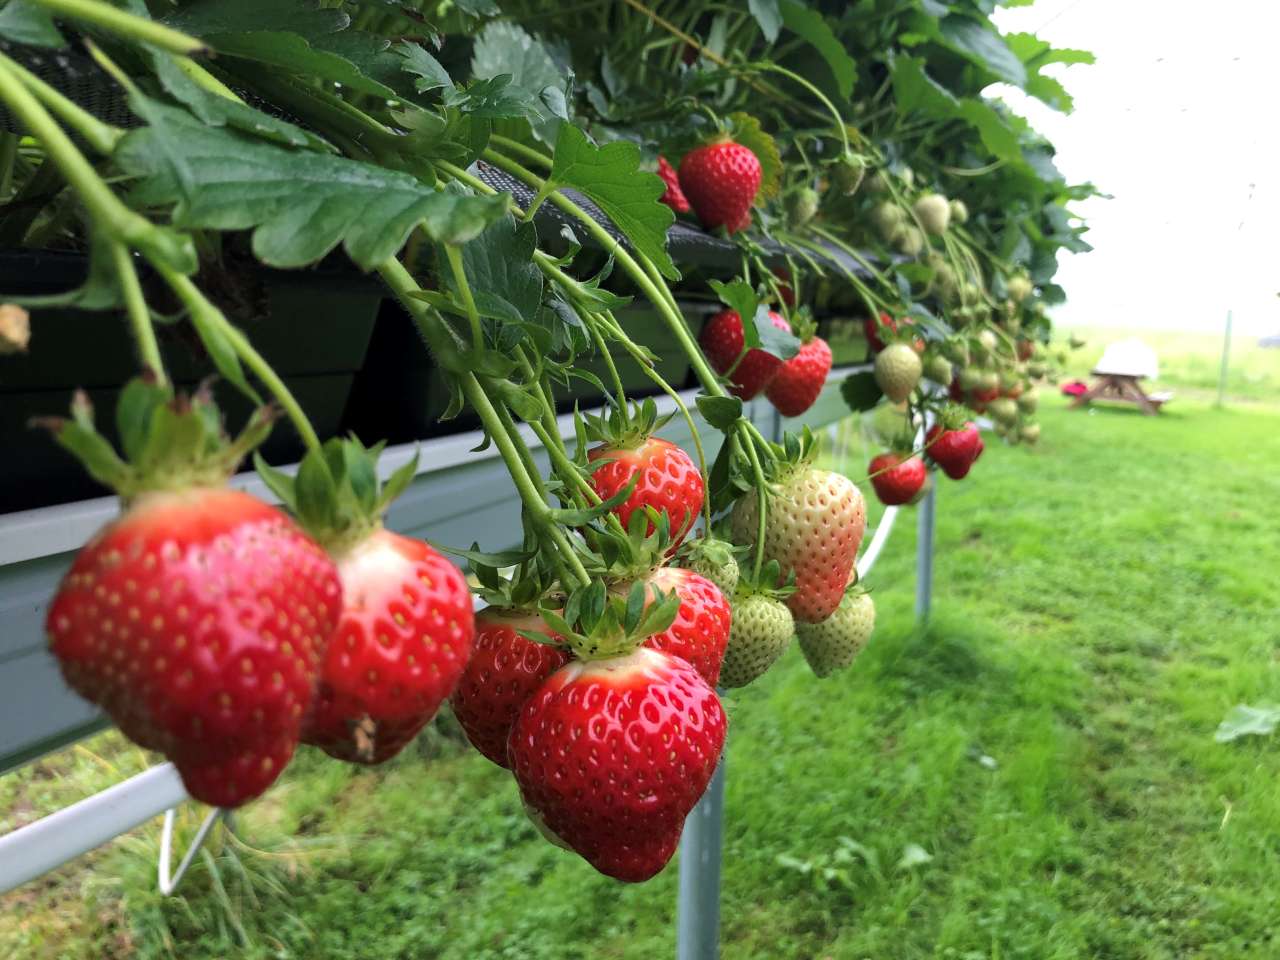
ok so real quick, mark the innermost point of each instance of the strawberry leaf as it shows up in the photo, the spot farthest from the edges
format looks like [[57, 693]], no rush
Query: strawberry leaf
[[780, 343], [300, 205], [748, 132], [611, 176], [720, 412], [740, 297], [811, 25], [23, 22], [506, 49]]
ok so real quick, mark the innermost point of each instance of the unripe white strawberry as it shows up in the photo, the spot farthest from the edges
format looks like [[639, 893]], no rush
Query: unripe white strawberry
[[897, 371], [759, 633], [934, 213], [834, 643]]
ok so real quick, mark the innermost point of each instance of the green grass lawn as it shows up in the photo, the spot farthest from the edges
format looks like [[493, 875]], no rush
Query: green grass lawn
[[1102, 600]]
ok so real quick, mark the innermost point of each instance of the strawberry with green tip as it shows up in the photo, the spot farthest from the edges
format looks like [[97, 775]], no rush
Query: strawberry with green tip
[[721, 180], [197, 618], [835, 643], [761, 632], [898, 371], [406, 628], [814, 523], [897, 477]]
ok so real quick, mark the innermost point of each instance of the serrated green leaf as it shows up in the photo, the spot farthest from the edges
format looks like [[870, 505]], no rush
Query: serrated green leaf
[[811, 25], [983, 46], [218, 111], [506, 48], [431, 75], [299, 205], [611, 176], [24, 22], [499, 264], [748, 132], [720, 412]]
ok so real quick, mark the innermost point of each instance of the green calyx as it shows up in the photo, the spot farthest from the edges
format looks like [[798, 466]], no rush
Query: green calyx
[[626, 425], [637, 553], [803, 324], [529, 588], [770, 583], [170, 442], [953, 417], [336, 494], [599, 623]]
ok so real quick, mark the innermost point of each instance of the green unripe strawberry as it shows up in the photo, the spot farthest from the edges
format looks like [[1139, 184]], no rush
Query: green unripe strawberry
[[878, 182], [898, 371], [1019, 288], [759, 633], [934, 213], [714, 560], [834, 643], [1003, 410], [959, 212], [1029, 400], [908, 240], [1036, 369], [802, 206], [1031, 432], [847, 174], [938, 369], [970, 294], [988, 341], [988, 380], [888, 217]]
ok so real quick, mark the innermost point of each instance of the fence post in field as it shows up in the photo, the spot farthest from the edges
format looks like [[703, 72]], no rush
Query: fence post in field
[[1226, 357]]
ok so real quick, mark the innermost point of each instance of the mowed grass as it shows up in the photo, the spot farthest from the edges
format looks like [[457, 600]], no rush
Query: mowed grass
[[1044, 748]]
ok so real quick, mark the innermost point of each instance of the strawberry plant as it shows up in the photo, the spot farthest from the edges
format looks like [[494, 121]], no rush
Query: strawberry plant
[[511, 172]]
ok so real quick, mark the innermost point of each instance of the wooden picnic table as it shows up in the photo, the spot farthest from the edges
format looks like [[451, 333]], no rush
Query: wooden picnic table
[[1124, 388]]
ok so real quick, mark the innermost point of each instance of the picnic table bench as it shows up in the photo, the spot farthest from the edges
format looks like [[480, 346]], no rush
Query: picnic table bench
[[1119, 375]]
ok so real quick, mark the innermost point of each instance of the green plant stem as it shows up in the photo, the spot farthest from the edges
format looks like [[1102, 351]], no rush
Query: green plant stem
[[403, 286], [544, 396], [796, 78], [204, 79], [196, 302], [602, 236], [454, 256], [762, 497], [100, 136], [98, 199], [144, 334], [515, 146], [608, 362], [124, 24]]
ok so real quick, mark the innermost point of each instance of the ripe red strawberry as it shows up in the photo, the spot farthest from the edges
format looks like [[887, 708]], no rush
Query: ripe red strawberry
[[196, 621], [722, 342], [674, 196], [901, 480], [701, 628], [953, 450], [796, 386], [721, 181], [669, 481], [814, 524], [504, 671], [613, 754], [400, 646]]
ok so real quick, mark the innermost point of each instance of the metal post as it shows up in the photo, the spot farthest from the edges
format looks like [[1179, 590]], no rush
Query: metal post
[[924, 555], [1226, 354], [698, 916]]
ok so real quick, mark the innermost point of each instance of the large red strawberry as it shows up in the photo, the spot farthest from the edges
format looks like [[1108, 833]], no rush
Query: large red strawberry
[[504, 671], [673, 197], [721, 180], [196, 619], [814, 522], [701, 628], [953, 450], [796, 386], [897, 477], [668, 480], [612, 755], [400, 646], [407, 623], [722, 341]]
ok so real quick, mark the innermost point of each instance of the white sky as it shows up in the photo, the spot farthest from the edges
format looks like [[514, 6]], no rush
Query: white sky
[[1176, 121]]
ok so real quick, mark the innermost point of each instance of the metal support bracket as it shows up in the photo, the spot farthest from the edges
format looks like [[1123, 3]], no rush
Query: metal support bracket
[[168, 884]]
